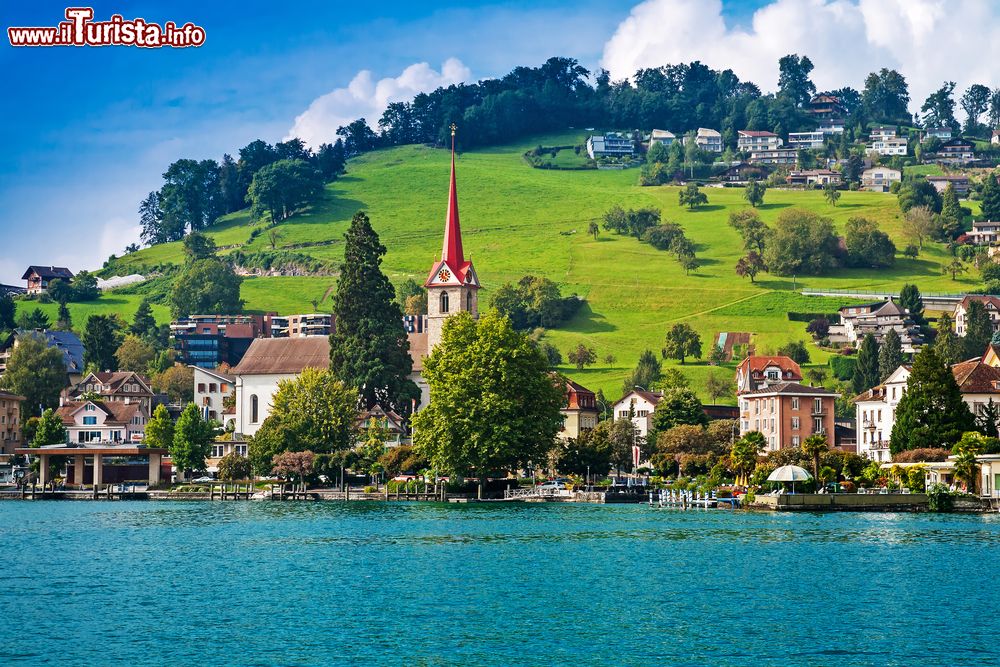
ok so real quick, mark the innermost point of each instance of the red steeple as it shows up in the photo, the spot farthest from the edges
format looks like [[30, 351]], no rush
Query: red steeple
[[451, 250]]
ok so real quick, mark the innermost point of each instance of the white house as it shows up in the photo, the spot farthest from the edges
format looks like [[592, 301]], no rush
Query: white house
[[880, 179], [875, 412], [754, 140], [806, 140], [638, 405], [609, 145], [665, 137], [211, 388], [990, 303], [831, 126], [265, 364], [882, 132], [708, 140], [103, 421], [984, 232], [889, 146]]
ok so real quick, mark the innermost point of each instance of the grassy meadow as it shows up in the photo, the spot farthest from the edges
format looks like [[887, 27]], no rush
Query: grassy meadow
[[517, 220]]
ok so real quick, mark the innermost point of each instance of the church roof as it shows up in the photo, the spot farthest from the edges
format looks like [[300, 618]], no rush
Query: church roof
[[452, 267]]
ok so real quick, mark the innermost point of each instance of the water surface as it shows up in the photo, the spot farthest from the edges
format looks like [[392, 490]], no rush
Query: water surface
[[425, 584]]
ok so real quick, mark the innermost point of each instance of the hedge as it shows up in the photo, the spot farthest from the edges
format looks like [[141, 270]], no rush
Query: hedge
[[842, 367], [795, 316]]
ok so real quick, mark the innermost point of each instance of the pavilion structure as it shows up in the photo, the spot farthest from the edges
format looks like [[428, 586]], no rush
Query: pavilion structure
[[92, 458]]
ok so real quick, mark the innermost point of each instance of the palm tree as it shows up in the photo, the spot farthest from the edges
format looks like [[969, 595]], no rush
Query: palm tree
[[814, 447], [744, 453]]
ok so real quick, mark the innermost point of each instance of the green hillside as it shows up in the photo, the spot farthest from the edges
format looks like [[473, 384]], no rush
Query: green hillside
[[518, 220]]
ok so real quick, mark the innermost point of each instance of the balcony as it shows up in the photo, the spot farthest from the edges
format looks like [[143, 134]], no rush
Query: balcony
[[881, 444]]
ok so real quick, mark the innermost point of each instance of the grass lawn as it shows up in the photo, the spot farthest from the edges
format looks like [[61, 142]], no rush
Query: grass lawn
[[518, 220], [123, 304]]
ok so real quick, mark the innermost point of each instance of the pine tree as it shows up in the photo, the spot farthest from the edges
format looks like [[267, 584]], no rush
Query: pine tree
[[910, 299], [988, 419], [369, 349], [948, 346], [951, 212], [890, 354], [991, 198], [866, 370], [64, 321], [144, 324], [931, 412], [978, 330]]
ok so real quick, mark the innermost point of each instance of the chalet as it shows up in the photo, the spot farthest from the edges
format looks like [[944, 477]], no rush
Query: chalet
[[984, 232], [956, 151], [778, 156], [708, 139], [960, 183], [814, 177], [753, 140], [609, 145], [757, 372], [665, 137], [786, 413], [990, 303], [103, 422], [116, 386], [39, 277], [825, 107], [638, 405], [876, 319], [580, 412], [806, 140], [393, 424], [880, 179]]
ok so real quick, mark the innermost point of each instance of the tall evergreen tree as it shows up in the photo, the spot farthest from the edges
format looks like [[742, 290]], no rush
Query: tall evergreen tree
[[988, 419], [948, 346], [890, 354], [991, 198], [369, 349], [101, 338], [8, 310], [931, 412], [144, 324], [978, 330], [910, 299], [951, 212], [64, 321], [866, 370]]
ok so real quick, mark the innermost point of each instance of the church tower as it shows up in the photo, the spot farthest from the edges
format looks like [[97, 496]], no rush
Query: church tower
[[452, 285]]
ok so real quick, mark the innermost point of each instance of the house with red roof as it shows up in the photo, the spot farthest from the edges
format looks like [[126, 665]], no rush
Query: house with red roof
[[991, 303], [580, 412], [756, 372]]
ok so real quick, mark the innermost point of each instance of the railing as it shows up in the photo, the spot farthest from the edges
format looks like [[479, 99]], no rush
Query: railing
[[531, 492]]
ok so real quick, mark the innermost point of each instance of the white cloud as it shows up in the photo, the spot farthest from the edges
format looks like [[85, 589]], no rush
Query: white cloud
[[928, 41], [366, 98]]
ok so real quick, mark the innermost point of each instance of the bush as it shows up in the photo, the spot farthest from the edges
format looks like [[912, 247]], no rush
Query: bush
[[940, 498], [795, 316], [925, 454]]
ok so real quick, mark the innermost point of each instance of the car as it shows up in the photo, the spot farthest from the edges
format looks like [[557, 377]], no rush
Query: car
[[203, 479], [554, 485]]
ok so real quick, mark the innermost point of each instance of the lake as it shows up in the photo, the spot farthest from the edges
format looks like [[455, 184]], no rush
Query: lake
[[268, 583]]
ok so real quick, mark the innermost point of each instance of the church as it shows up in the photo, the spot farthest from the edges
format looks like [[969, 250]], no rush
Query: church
[[452, 287]]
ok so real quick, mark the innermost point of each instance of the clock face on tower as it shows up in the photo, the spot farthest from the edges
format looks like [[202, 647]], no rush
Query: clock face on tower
[[444, 275]]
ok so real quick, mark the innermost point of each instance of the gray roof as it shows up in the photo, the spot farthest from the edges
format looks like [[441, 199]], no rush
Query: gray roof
[[67, 341], [792, 388]]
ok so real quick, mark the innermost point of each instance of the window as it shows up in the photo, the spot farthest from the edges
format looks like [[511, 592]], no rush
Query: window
[[90, 421], [468, 301], [772, 423], [201, 387], [217, 451], [623, 414], [818, 405], [444, 302], [795, 441], [772, 374], [211, 388], [817, 425], [880, 415], [89, 407], [893, 393], [795, 403], [253, 408], [241, 450], [642, 413], [795, 423]]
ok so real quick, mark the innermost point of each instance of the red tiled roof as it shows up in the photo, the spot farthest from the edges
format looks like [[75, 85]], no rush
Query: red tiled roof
[[757, 364], [117, 412], [757, 133], [975, 377]]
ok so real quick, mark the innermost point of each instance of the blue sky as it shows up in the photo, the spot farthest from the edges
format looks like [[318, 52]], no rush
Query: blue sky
[[88, 131]]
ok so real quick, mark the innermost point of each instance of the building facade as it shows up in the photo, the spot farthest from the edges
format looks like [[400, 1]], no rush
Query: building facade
[[787, 413], [638, 405], [880, 179], [756, 372], [96, 422], [775, 156], [756, 140], [806, 140], [10, 422], [310, 324], [609, 145], [212, 390], [875, 415], [580, 412], [39, 277], [116, 386], [990, 303]]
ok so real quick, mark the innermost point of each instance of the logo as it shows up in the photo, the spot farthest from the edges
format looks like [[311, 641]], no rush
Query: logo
[[80, 29]]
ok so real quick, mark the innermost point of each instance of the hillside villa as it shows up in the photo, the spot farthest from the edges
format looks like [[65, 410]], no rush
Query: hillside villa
[[708, 139], [956, 151], [806, 140], [888, 146], [877, 318], [609, 145], [880, 179], [665, 137], [776, 156], [959, 183], [39, 277], [116, 386], [754, 140], [814, 177], [984, 232]]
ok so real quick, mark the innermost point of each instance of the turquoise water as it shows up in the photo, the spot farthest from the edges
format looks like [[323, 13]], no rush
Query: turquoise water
[[395, 583]]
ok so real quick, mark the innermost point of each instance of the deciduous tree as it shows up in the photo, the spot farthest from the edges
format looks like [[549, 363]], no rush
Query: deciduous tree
[[192, 440], [681, 342]]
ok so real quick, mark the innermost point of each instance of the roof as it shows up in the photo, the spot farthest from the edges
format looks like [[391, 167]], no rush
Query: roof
[[653, 397], [48, 272], [284, 356], [452, 254], [954, 179], [661, 134], [757, 133], [816, 172], [985, 299], [708, 132], [975, 377], [757, 364], [791, 388], [576, 387], [67, 341], [214, 373], [116, 411], [6, 395], [115, 379]]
